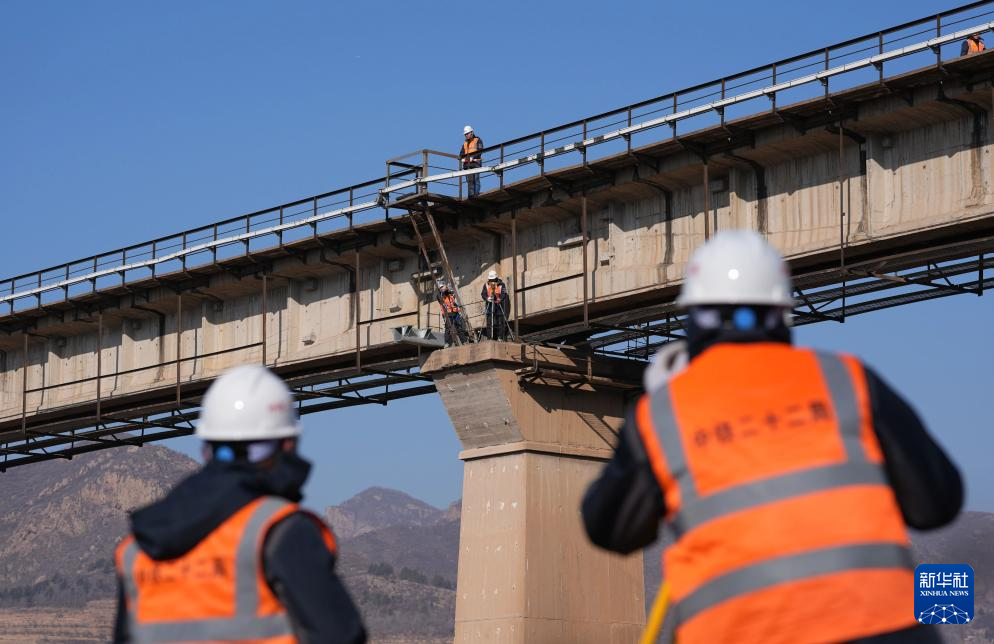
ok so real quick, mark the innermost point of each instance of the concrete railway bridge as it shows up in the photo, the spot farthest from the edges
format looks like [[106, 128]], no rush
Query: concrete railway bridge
[[867, 163]]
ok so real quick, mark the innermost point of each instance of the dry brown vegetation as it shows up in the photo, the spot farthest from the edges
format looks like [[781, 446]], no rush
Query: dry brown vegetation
[[91, 623]]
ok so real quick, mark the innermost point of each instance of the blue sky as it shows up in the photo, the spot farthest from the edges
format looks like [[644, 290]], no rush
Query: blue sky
[[124, 121]]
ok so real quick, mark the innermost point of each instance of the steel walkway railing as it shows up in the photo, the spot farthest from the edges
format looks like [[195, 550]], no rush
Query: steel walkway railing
[[319, 214]]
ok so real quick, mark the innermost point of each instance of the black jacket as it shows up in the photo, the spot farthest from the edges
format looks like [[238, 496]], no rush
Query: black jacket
[[623, 508], [298, 565], [504, 305]]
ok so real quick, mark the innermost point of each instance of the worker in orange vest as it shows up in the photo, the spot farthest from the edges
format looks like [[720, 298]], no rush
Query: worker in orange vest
[[471, 158], [228, 555], [785, 475], [496, 306], [453, 316], [972, 45]]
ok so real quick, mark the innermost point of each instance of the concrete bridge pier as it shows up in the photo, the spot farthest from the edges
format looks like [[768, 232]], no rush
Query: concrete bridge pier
[[536, 426]]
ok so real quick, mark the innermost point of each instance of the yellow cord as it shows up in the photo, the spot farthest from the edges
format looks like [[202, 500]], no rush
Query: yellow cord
[[657, 616]]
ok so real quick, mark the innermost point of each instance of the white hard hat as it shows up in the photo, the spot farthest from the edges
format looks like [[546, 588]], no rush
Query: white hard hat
[[467, 129], [492, 275], [247, 403], [736, 267]]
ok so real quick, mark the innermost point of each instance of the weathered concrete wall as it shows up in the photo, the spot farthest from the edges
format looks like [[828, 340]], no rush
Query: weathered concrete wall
[[527, 572], [926, 166]]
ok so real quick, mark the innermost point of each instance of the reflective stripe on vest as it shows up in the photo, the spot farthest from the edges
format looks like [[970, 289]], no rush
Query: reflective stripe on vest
[[792, 568], [691, 509], [127, 566], [696, 510], [240, 628], [246, 624]]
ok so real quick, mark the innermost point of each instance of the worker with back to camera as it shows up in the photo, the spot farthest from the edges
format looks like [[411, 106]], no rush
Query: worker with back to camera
[[497, 305], [785, 475], [453, 316], [471, 157], [973, 45], [228, 555]]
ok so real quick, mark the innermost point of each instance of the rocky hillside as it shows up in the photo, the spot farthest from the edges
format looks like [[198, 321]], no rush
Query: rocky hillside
[[61, 520], [379, 507], [399, 563]]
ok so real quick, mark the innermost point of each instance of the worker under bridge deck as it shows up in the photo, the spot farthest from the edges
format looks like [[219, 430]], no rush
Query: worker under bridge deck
[[879, 194]]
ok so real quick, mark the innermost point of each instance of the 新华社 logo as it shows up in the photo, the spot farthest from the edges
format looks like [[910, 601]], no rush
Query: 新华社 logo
[[944, 594]]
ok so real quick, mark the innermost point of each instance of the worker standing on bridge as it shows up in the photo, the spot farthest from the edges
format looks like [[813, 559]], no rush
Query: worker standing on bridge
[[471, 158], [785, 475], [497, 304], [972, 45], [453, 316], [228, 554]]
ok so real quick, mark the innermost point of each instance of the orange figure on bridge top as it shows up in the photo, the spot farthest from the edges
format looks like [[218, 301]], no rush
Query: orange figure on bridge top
[[471, 158], [972, 45]]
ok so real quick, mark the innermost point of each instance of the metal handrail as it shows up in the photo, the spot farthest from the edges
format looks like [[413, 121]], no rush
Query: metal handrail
[[696, 111], [316, 209], [935, 18]]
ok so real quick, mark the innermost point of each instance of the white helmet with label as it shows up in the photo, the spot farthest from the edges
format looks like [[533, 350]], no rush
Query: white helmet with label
[[468, 129], [247, 403], [736, 267]]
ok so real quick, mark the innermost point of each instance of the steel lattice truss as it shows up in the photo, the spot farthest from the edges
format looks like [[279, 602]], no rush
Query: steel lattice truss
[[378, 383], [830, 295]]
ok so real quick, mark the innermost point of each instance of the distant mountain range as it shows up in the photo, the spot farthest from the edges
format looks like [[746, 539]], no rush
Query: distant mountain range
[[380, 507], [59, 523], [399, 562], [61, 520]]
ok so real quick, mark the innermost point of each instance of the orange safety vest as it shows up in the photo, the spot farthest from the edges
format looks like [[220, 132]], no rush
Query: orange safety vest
[[470, 147], [786, 527], [449, 304], [215, 592], [975, 47]]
